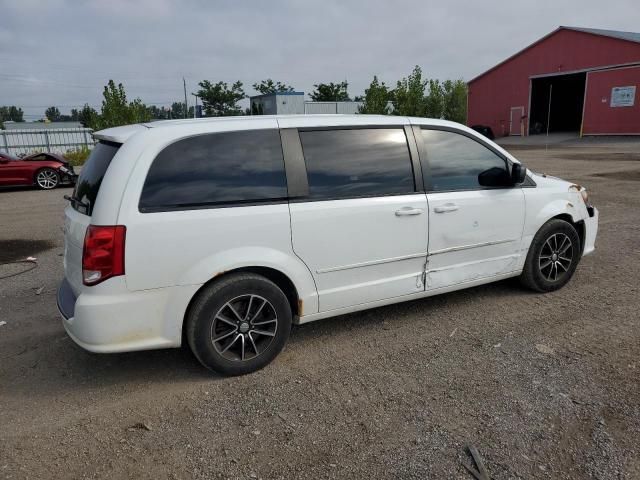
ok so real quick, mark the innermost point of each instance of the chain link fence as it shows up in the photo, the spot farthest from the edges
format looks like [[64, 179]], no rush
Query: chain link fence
[[57, 140]]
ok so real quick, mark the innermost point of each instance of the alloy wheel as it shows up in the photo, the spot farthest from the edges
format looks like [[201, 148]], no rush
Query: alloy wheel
[[244, 327], [556, 257], [47, 179]]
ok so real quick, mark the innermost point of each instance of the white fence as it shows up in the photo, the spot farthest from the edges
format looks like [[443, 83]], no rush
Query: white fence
[[56, 140]]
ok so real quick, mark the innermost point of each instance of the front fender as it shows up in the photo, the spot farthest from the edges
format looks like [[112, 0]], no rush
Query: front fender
[[557, 207]]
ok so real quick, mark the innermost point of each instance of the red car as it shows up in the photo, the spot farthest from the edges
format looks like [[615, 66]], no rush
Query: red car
[[44, 170]]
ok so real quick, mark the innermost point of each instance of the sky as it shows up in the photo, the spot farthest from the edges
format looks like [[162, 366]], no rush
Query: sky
[[62, 52]]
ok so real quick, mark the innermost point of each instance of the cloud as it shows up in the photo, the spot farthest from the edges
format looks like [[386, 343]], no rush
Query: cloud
[[75, 47]]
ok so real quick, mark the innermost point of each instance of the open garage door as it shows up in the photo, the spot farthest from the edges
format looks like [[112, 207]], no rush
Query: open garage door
[[558, 101]]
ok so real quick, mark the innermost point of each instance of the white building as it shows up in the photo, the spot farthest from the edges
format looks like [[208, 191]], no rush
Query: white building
[[294, 103]]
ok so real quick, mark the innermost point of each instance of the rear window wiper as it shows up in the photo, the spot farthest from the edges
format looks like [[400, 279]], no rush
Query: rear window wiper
[[77, 201]]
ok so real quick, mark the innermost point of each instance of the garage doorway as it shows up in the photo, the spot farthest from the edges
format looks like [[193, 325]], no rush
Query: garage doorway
[[557, 100]]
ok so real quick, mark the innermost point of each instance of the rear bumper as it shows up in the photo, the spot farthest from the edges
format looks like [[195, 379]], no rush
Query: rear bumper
[[111, 319], [591, 231]]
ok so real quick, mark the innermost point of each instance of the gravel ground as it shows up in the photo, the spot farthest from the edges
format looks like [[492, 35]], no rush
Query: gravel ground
[[545, 386]]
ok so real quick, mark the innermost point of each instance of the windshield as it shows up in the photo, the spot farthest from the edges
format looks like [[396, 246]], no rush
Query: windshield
[[91, 176]]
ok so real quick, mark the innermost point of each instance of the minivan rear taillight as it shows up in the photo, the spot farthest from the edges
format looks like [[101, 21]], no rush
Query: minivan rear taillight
[[103, 253]]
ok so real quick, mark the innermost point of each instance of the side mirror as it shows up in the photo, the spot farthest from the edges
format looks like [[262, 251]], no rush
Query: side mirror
[[4, 160], [518, 173], [494, 177]]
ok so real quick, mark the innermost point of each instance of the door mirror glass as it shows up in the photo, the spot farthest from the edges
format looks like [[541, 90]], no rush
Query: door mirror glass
[[518, 173], [494, 177]]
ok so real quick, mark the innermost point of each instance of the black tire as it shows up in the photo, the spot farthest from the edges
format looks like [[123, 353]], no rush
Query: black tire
[[47, 179], [210, 314], [550, 245]]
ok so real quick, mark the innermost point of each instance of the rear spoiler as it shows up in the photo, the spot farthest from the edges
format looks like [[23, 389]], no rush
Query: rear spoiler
[[119, 134]]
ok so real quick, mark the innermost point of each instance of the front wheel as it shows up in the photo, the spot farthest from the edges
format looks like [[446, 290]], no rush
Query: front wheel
[[47, 179], [553, 257], [239, 324]]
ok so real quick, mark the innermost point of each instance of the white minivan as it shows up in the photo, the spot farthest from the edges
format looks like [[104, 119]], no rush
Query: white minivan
[[224, 232]]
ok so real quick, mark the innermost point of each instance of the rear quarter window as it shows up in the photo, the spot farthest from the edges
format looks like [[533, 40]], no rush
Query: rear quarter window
[[91, 175], [217, 169]]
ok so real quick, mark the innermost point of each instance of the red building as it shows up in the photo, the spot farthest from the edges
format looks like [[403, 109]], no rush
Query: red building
[[573, 79]]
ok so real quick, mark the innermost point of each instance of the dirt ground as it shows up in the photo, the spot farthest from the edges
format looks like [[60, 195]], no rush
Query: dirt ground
[[545, 386]]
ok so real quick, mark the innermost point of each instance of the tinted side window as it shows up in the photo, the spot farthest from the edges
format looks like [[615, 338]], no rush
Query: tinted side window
[[91, 176], [457, 162], [357, 162], [218, 168]]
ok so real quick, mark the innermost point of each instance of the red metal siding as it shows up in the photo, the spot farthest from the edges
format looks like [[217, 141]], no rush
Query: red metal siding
[[492, 95], [599, 116]]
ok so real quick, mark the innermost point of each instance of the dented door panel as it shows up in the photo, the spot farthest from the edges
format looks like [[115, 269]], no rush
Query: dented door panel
[[473, 235]]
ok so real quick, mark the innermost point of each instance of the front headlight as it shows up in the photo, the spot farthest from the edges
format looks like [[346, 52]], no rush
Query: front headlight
[[582, 191], [64, 169], [585, 196]]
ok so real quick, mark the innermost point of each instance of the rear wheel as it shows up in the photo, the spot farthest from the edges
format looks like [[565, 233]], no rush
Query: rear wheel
[[47, 179], [239, 324], [553, 257]]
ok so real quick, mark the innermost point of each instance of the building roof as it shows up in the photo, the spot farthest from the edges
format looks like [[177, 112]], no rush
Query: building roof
[[283, 92], [629, 36], [618, 35]]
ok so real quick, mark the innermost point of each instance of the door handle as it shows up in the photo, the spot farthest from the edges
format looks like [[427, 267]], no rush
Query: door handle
[[447, 207], [407, 211]]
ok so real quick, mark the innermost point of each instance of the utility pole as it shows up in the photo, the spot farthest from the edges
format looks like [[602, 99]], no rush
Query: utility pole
[[186, 106], [195, 109], [549, 113]]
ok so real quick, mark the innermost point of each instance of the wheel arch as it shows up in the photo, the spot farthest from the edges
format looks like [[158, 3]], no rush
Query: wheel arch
[[578, 225], [541, 210], [282, 281]]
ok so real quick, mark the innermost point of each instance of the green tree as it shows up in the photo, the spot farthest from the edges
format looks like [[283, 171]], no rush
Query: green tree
[[177, 110], [376, 98], [116, 110], [88, 116], [16, 114], [454, 100], [11, 114], [158, 113], [434, 101], [330, 92], [408, 96], [75, 115], [269, 86], [53, 114], [219, 100]]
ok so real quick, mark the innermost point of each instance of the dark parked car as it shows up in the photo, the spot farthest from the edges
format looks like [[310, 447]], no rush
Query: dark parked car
[[44, 170], [484, 130]]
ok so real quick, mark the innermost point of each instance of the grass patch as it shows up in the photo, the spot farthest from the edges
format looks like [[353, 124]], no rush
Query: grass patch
[[77, 156]]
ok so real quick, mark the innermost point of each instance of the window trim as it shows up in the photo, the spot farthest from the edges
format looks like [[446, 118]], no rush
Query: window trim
[[294, 164], [213, 205], [424, 158], [418, 186], [218, 204]]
